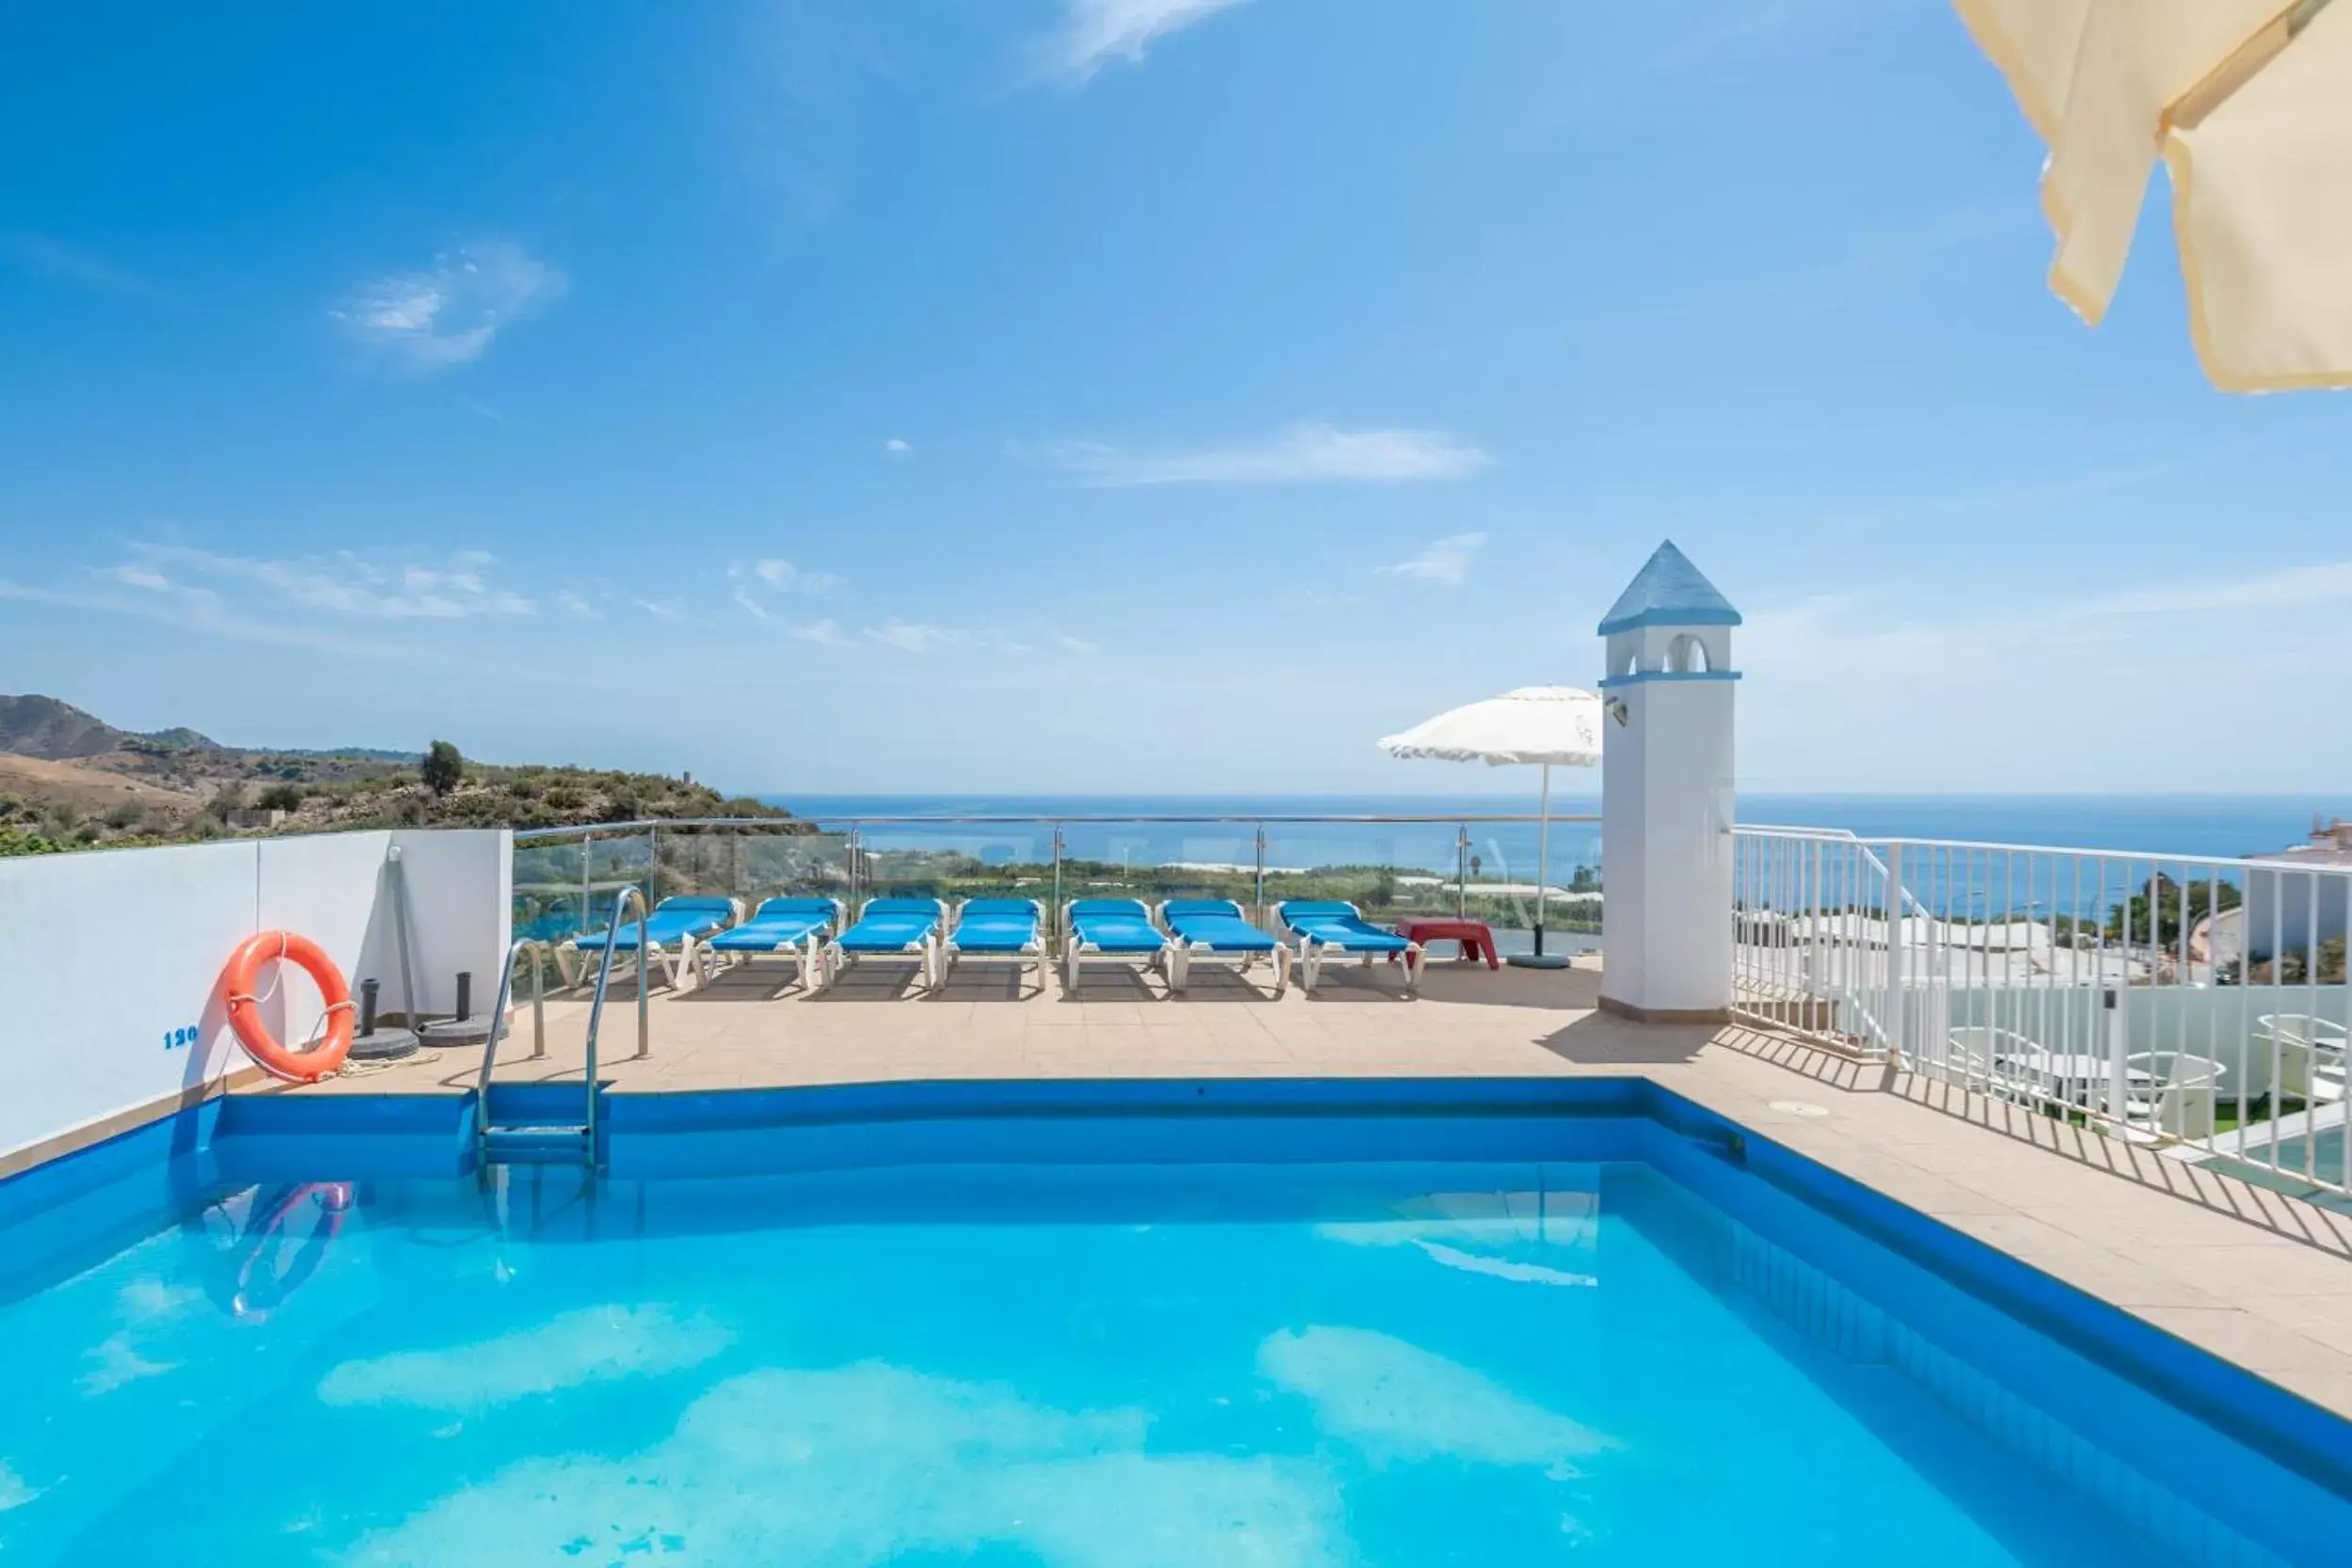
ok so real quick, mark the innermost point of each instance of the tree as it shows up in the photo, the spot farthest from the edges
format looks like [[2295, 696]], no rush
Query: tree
[[2160, 925], [442, 770]]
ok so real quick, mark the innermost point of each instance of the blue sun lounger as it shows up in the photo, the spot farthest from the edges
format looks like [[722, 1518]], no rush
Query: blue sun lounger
[[673, 930], [1117, 930], [995, 929], [890, 928], [1325, 926], [1215, 931], [793, 929]]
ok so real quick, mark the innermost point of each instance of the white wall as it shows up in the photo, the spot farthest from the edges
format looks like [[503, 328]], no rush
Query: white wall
[[2279, 907], [461, 888], [110, 961]]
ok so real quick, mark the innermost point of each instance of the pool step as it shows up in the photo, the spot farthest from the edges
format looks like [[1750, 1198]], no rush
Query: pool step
[[537, 1145], [537, 1124]]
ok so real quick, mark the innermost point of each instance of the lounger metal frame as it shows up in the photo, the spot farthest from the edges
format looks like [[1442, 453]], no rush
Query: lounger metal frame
[[1312, 951], [1168, 959], [1031, 952], [679, 962], [808, 953], [1184, 954], [926, 948]]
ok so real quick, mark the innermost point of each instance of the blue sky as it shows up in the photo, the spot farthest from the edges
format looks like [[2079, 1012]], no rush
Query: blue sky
[[1114, 395]]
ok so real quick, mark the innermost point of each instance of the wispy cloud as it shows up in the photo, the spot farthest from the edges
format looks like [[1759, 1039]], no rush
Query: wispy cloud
[[755, 583], [1303, 454], [577, 604], [1094, 33], [1905, 253], [895, 447], [914, 637], [661, 609], [783, 577], [2297, 585], [2009, 499], [1863, 691], [51, 258], [824, 633], [346, 583], [1446, 561], [448, 313], [1840, 634], [204, 613]]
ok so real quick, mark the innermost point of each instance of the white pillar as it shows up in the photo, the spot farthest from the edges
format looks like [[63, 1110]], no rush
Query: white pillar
[[1667, 797]]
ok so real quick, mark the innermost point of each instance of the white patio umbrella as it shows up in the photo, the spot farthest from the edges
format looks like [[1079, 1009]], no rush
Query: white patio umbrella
[[2249, 104], [1549, 727]]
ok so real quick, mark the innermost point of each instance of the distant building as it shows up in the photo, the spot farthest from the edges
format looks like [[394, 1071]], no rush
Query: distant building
[[2281, 905]]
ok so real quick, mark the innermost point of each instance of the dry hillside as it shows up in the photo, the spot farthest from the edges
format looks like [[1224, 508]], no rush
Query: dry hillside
[[68, 779]]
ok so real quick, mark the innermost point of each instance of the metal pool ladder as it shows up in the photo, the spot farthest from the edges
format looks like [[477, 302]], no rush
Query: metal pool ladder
[[545, 1123]]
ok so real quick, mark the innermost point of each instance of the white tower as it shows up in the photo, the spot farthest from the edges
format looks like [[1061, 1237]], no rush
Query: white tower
[[1666, 797]]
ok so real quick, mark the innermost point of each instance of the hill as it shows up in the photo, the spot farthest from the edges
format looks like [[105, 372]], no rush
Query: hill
[[68, 779], [44, 727]]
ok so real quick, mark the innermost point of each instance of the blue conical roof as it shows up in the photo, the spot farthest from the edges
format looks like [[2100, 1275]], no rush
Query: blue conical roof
[[1669, 592]]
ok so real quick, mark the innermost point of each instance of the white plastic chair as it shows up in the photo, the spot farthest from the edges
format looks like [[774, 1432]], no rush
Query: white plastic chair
[[2173, 1092], [2310, 1054]]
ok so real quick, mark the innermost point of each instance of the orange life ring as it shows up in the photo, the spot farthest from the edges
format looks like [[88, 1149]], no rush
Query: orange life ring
[[244, 1012]]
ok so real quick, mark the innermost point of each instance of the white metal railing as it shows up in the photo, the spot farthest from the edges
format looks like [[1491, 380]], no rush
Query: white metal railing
[[2190, 1000]]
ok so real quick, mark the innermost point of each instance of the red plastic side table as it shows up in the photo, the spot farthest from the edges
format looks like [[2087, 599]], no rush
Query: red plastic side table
[[1476, 938]]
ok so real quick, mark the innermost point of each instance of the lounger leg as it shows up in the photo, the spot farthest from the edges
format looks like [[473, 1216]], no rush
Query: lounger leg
[[1415, 956], [1281, 971], [1179, 968]]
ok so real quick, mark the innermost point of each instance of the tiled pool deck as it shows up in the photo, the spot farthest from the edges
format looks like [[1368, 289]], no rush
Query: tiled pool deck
[[2258, 1278]]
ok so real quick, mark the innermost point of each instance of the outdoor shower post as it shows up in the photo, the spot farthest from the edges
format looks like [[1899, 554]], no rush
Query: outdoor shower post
[[1260, 896], [1461, 870]]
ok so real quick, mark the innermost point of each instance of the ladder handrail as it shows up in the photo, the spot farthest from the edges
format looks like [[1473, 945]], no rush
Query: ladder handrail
[[515, 951], [595, 1012], [632, 894]]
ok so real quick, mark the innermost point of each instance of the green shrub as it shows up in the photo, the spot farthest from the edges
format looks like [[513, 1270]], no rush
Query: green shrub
[[14, 841], [280, 797]]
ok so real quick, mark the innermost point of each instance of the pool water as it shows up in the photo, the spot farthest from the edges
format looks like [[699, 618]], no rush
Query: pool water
[[1261, 1365]]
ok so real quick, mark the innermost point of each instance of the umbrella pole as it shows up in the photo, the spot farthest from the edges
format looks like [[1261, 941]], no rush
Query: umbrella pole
[[1542, 858]]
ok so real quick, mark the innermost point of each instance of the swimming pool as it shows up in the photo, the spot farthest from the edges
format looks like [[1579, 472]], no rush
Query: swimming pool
[[1208, 1325]]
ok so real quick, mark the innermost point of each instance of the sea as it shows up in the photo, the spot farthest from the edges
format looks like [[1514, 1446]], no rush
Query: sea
[[2167, 825]]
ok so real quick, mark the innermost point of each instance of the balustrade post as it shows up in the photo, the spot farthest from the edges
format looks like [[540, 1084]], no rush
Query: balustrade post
[[1895, 1019], [587, 884]]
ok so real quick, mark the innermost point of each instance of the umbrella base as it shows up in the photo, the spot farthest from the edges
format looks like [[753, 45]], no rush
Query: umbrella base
[[1537, 960]]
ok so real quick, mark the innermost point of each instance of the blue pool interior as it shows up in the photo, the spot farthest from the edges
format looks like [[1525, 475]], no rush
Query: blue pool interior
[[1073, 1327]]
